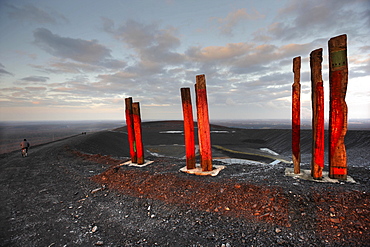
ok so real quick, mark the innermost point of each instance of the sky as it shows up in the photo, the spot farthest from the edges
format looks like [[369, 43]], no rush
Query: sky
[[79, 60]]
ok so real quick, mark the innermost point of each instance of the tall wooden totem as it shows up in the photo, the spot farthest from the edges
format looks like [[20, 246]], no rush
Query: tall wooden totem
[[318, 134], [338, 79], [296, 115]]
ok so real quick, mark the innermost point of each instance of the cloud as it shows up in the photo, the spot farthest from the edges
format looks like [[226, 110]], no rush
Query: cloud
[[247, 58], [3, 71], [30, 13], [117, 77], [154, 48], [35, 78], [233, 70], [85, 51], [359, 67], [212, 53], [36, 88], [228, 23], [67, 67], [305, 19], [77, 68]]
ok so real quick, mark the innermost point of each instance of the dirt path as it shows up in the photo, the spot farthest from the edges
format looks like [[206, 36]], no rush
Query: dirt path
[[39, 196]]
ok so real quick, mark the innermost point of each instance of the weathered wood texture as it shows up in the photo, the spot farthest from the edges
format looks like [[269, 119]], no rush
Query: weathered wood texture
[[318, 131], [338, 80], [138, 133], [296, 115], [188, 128], [204, 133], [130, 129]]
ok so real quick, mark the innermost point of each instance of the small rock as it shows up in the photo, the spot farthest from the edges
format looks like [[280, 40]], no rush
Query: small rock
[[277, 230], [265, 215], [96, 190], [94, 229], [99, 243], [335, 220], [281, 241]]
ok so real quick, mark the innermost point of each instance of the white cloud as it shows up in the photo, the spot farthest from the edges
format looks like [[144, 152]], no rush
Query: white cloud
[[35, 78], [228, 23], [151, 57], [154, 48], [85, 51], [304, 19]]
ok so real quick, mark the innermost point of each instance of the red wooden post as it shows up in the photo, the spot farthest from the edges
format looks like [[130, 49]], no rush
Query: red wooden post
[[296, 115], [188, 128], [130, 129], [138, 133], [204, 132], [338, 78], [198, 112], [318, 131]]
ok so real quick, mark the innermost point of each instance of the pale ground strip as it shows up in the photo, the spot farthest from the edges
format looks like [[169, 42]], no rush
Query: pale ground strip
[[306, 175], [129, 163], [198, 170]]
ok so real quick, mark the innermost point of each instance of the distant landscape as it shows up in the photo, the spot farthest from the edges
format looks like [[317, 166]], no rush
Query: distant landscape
[[12, 133]]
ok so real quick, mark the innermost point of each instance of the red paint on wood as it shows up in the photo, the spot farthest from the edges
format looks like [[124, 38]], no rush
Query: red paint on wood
[[340, 171], [296, 115], [318, 131], [338, 78], [204, 133], [138, 133], [188, 128], [130, 129]]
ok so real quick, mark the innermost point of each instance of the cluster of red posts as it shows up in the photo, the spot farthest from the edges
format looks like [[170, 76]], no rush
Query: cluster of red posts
[[133, 122], [204, 133], [338, 80]]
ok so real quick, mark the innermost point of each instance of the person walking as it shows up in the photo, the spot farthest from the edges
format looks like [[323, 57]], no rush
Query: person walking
[[24, 147]]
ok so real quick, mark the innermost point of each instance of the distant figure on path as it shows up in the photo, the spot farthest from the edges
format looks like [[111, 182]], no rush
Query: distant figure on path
[[24, 147]]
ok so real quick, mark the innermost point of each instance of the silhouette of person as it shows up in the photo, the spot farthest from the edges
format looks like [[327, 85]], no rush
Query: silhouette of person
[[25, 145]]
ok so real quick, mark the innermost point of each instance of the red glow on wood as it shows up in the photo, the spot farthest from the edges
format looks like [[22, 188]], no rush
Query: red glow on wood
[[188, 128], [204, 133], [296, 115], [338, 128], [318, 134], [138, 133], [340, 171], [338, 78], [130, 129], [319, 145]]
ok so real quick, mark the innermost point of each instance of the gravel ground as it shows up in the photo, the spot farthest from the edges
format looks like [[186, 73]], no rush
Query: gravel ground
[[74, 193]]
